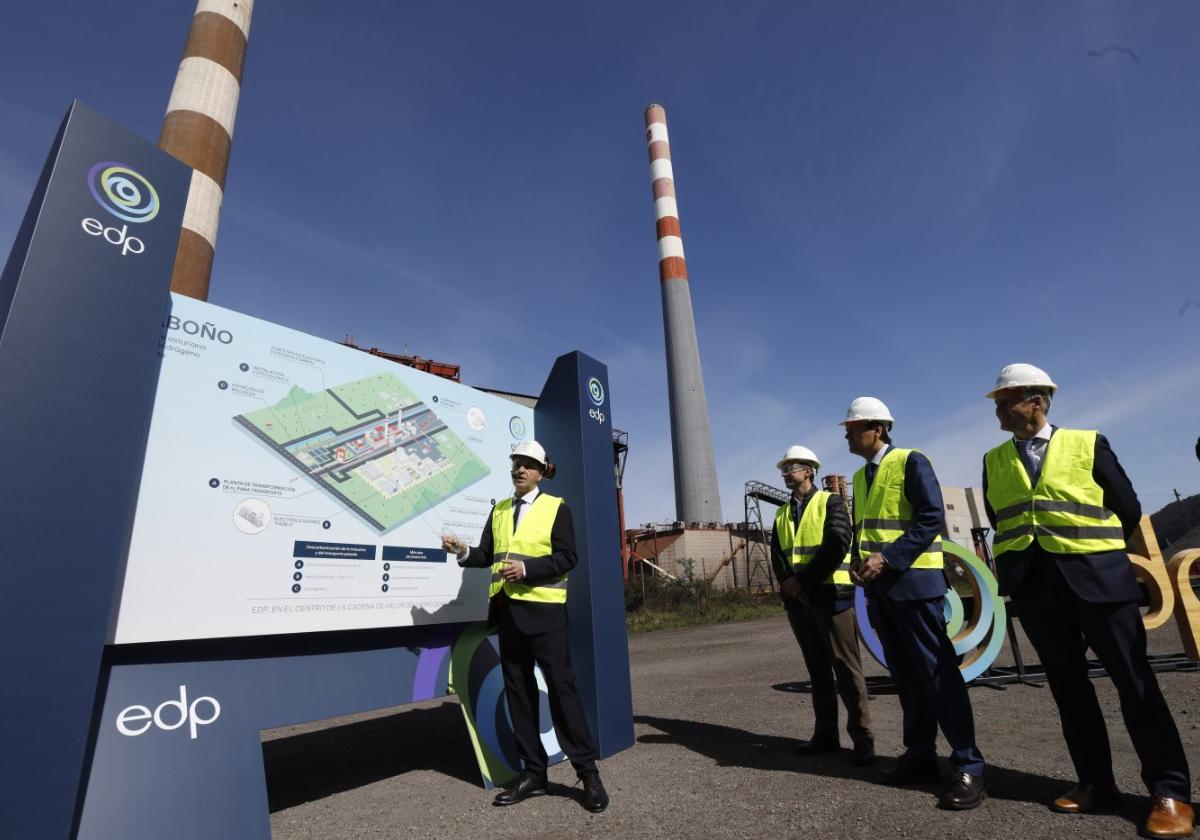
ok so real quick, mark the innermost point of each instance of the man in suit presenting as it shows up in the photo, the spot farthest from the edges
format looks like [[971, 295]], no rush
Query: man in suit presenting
[[1062, 509], [529, 544], [897, 548]]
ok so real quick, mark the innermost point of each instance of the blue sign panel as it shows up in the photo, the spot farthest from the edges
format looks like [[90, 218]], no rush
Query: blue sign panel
[[82, 300], [339, 551], [400, 554], [573, 422]]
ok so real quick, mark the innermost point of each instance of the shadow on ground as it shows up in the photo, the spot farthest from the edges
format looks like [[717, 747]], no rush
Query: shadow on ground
[[731, 747], [876, 686], [313, 765]]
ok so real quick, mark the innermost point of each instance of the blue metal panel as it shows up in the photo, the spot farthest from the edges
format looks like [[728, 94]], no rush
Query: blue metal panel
[[84, 294], [155, 781], [573, 421]]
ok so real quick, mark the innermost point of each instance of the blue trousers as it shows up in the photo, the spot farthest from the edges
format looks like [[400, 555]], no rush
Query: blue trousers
[[925, 670]]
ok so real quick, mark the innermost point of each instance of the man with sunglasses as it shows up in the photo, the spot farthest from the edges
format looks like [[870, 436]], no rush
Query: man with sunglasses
[[1062, 509], [809, 554]]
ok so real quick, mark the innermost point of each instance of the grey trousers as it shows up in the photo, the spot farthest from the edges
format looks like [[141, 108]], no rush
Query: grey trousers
[[829, 643]]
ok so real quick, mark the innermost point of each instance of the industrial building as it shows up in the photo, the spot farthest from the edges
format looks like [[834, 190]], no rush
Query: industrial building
[[738, 554]]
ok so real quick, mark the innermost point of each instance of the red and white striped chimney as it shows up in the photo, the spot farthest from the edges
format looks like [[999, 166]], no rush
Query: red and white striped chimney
[[697, 498], [198, 129], [671, 265]]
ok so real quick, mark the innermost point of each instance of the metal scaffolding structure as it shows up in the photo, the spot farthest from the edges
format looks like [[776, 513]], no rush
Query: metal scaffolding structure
[[758, 577]]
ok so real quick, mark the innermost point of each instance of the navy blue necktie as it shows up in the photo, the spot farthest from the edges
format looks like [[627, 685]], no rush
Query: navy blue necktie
[[1023, 447], [871, 470], [795, 512], [516, 512]]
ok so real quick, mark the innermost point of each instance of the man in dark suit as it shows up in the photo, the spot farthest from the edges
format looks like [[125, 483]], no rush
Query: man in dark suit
[[898, 521], [1062, 509], [529, 544]]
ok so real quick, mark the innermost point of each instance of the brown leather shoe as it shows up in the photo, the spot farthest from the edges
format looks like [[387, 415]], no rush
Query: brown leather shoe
[[1169, 818], [1084, 798]]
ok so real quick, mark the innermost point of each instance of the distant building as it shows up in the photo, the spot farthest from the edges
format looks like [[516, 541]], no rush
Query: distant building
[[712, 552], [837, 484], [964, 511]]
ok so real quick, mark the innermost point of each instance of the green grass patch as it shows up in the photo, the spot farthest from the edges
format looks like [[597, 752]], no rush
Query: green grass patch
[[661, 603], [648, 620]]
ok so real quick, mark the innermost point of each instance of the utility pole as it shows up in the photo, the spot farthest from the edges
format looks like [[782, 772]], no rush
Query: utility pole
[[1182, 509]]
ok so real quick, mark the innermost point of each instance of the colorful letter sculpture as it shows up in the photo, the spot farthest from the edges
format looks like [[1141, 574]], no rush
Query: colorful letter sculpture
[[476, 678], [977, 638], [1169, 586]]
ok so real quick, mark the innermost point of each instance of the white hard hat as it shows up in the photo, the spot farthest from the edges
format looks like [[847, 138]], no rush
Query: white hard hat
[[1021, 375], [867, 408], [530, 449], [802, 454]]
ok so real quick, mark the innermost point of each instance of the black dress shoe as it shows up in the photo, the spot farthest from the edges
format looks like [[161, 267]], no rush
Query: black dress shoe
[[864, 753], [910, 771], [965, 793], [817, 745], [595, 797], [528, 785]]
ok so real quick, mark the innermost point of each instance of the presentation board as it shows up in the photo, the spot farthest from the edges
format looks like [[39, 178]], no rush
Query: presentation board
[[317, 481], [198, 481]]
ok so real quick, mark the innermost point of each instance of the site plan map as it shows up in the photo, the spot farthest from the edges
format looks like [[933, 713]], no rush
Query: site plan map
[[370, 443], [292, 484]]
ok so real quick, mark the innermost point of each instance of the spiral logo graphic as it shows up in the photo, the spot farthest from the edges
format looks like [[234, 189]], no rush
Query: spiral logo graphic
[[479, 683], [596, 391], [516, 427], [123, 192], [977, 637]]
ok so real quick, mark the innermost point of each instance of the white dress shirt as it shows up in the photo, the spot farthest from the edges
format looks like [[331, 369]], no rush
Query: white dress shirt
[[878, 459], [1037, 449], [528, 500]]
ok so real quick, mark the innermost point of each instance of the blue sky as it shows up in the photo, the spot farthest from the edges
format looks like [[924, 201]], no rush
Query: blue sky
[[876, 198]]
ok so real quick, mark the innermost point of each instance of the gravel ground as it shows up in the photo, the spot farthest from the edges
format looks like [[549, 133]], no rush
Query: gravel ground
[[717, 710]]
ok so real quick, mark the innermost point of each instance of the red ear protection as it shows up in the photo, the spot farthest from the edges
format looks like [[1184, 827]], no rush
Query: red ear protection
[[550, 469]]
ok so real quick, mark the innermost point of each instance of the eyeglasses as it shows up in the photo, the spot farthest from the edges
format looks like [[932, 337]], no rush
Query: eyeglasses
[[1009, 402], [858, 429], [786, 471]]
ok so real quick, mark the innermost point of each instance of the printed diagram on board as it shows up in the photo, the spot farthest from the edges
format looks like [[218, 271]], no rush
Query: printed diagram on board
[[370, 443]]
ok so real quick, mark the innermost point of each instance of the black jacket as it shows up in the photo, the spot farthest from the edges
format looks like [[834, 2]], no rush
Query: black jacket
[[835, 542], [532, 618], [1102, 577]]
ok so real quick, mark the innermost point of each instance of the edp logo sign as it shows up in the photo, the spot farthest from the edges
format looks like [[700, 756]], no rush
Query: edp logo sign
[[595, 392], [114, 236], [169, 715], [125, 194]]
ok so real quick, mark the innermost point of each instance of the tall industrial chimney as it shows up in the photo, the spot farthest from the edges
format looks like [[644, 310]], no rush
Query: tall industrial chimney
[[198, 129], [696, 495]]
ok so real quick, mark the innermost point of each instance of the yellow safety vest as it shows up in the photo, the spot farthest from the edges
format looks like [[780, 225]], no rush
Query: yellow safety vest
[[883, 513], [531, 539], [1065, 511], [800, 543]]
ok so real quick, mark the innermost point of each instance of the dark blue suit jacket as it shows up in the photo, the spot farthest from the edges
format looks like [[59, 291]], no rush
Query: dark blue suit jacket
[[899, 582], [1102, 577]]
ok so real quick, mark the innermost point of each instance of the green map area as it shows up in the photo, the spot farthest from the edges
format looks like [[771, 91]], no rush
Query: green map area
[[372, 444]]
